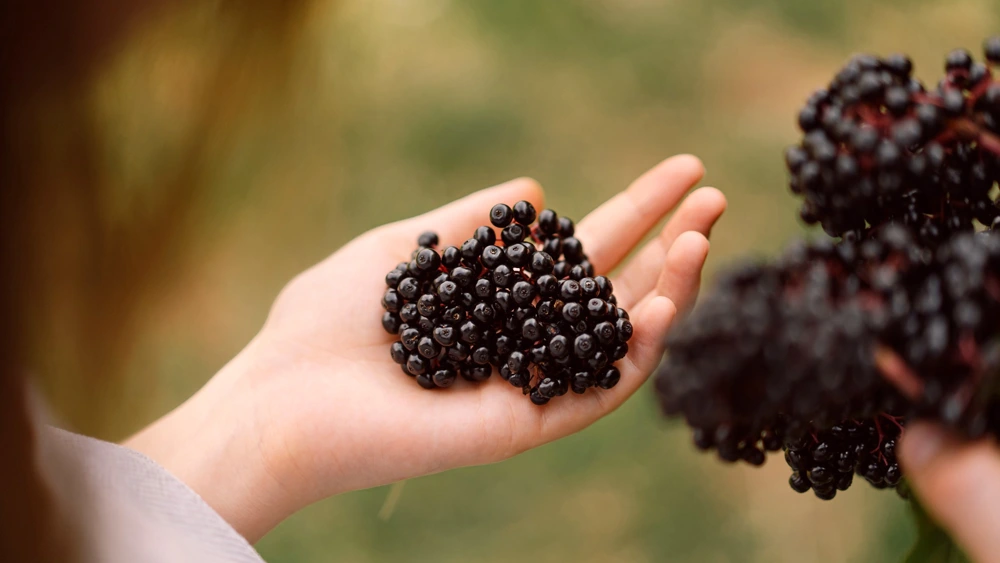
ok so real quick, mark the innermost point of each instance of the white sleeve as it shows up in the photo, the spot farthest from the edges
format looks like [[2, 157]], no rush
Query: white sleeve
[[121, 506]]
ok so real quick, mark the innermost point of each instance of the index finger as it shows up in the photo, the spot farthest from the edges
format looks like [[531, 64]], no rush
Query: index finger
[[612, 230]]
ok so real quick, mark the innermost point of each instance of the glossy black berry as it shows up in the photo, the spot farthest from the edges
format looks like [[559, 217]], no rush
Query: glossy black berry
[[569, 290], [991, 48], [503, 276], [548, 221], [493, 256], [513, 234], [523, 293], [531, 330], [572, 312], [428, 259], [391, 322], [428, 239], [566, 227], [416, 365], [501, 215], [609, 378], [584, 346], [444, 377], [517, 255], [524, 213], [398, 353], [463, 277], [572, 250], [451, 257], [959, 59], [623, 327]]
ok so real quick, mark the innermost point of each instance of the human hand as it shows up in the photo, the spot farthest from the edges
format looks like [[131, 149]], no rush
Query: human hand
[[314, 406], [958, 483]]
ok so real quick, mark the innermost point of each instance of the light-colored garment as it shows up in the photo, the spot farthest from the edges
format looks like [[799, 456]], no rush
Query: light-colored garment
[[120, 506]]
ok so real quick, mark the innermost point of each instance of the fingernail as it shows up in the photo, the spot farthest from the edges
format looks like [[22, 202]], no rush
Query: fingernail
[[923, 442]]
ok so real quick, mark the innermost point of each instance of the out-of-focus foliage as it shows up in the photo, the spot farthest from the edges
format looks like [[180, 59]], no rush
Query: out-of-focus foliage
[[376, 110]]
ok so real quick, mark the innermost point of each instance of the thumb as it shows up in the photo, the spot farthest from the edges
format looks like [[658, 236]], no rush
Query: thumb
[[958, 483]]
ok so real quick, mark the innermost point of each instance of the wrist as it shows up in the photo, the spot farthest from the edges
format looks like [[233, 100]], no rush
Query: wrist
[[214, 443]]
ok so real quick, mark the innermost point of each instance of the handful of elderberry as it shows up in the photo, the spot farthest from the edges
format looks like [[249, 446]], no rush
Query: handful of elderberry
[[526, 304], [829, 350]]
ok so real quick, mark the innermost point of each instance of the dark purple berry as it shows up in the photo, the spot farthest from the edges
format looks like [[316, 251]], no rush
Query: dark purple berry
[[428, 239], [524, 213], [501, 215]]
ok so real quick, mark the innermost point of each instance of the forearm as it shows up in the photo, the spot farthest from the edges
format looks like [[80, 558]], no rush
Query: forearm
[[213, 443]]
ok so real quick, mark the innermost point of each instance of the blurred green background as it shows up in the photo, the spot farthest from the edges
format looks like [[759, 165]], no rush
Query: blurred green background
[[359, 112]]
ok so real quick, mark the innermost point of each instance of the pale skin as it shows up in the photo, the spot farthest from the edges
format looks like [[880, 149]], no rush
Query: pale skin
[[314, 406], [958, 482]]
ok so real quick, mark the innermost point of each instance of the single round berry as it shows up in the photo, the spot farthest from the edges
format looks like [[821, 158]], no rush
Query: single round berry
[[523, 293], [428, 259], [447, 291], [799, 483], [513, 234], [391, 301], [444, 335], [584, 346], [501, 215], [428, 239], [566, 227], [570, 290], [959, 59], [463, 277], [391, 322], [477, 373], [519, 379], [572, 312], [398, 353], [548, 286], [481, 355], [451, 257], [524, 213], [609, 378], [485, 235], [542, 263], [484, 288], [517, 255], [531, 330], [392, 278], [502, 275], [572, 250], [991, 48], [548, 222], [428, 348], [624, 329], [416, 365], [444, 377], [493, 256]]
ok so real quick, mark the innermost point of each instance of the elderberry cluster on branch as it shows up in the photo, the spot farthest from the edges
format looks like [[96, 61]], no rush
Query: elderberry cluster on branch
[[783, 353], [829, 350], [881, 147], [526, 304]]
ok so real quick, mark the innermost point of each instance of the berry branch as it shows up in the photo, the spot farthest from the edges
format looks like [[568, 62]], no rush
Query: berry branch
[[829, 350]]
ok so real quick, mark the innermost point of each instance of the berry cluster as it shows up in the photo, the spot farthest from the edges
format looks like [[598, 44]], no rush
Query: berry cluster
[[880, 147], [829, 350], [526, 303], [824, 346], [826, 462]]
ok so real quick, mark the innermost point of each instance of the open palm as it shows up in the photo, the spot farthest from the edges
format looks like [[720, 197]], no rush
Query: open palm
[[366, 424], [332, 412]]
